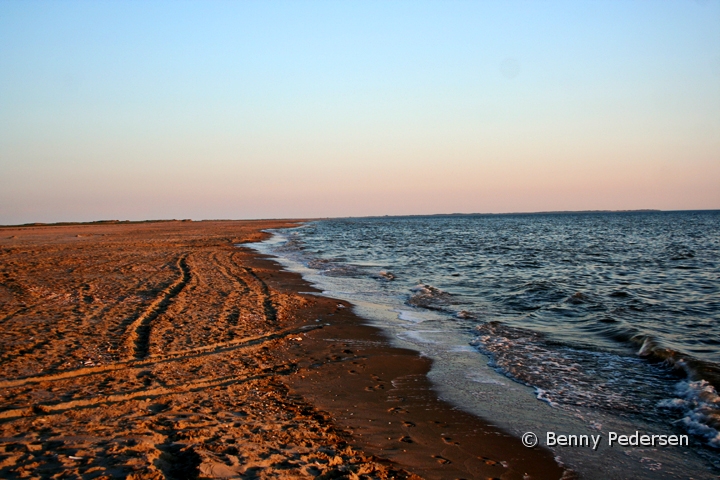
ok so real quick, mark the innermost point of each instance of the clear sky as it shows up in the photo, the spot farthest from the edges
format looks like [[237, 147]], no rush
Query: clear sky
[[250, 109]]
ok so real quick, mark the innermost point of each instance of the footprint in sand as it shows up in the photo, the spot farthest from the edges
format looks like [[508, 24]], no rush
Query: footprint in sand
[[397, 410], [375, 387]]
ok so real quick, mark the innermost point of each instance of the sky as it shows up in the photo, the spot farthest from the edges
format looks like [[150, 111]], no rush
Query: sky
[[248, 109]]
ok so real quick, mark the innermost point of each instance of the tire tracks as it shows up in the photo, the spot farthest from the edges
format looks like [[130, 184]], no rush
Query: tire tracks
[[230, 312], [214, 349], [22, 310], [193, 386], [137, 340], [269, 309]]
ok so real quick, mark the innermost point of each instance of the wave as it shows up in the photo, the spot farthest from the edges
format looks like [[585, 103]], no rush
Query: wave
[[427, 296], [677, 252], [567, 376], [291, 245], [699, 403], [335, 268], [534, 295], [652, 349]]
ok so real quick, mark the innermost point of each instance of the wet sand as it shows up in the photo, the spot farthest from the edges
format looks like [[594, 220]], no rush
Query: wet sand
[[162, 350]]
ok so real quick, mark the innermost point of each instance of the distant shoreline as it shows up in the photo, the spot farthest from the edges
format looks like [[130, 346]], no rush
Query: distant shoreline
[[305, 219]]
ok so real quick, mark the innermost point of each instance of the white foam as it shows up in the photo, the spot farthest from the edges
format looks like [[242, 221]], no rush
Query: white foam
[[481, 378], [463, 348], [410, 316], [542, 395], [701, 405], [417, 336]]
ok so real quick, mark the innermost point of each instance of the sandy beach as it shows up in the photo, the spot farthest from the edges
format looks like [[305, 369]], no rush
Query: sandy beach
[[164, 350]]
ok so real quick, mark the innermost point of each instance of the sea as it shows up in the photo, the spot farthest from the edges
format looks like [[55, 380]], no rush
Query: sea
[[572, 323]]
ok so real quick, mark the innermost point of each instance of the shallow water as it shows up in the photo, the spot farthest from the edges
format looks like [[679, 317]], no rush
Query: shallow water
[[574, 323]]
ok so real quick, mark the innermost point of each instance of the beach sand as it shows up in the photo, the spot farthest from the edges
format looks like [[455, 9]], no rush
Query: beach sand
[[162, 350]]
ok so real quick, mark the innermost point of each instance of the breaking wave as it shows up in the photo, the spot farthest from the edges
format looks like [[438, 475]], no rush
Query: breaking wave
[[567, 376], [699, 404], [427, 296], [335, 268]]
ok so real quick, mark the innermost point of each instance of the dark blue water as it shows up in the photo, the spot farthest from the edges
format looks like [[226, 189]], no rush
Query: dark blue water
[[610, 312]]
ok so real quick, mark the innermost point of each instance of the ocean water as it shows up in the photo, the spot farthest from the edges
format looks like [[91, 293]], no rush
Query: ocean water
[[582, 323]]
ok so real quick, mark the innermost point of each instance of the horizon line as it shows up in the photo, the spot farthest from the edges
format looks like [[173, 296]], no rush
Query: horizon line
[[544, 212]]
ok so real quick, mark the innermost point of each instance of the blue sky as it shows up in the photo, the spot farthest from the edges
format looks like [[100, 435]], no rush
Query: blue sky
[[300, 109]]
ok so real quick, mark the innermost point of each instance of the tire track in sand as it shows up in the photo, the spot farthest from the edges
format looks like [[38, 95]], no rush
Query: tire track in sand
[[193, 386], [268, 308], [231, 312], [214, 349], [137, 340]]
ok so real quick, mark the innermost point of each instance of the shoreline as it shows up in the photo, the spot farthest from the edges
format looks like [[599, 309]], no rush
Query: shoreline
[[161, 350], [381, 396]]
